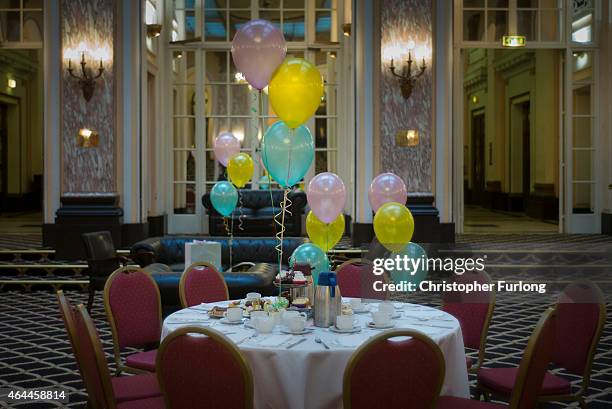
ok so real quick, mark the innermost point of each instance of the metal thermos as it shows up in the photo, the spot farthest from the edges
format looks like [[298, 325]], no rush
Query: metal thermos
[[328, 301]]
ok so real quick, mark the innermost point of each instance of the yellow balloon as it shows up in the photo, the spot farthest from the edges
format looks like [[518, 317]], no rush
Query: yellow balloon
[[295, 91], [393, 225], [324, 235], [240, 169]]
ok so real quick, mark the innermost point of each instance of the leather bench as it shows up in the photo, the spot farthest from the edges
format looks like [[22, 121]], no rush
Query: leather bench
[[258, 213], [255, 257]]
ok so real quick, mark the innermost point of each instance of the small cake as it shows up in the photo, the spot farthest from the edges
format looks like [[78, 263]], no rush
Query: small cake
[[301, 302]]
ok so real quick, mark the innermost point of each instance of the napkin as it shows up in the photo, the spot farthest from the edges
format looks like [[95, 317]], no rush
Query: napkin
[[274, 340], [186, 320], [350, 341], [239, 337]]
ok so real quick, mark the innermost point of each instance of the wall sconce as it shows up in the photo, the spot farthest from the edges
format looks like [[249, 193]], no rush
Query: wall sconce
[[406, 138], [513, 41], [86, 138], [86, 78], [154, 30], [346, 29], [12, 83], [407, 78]]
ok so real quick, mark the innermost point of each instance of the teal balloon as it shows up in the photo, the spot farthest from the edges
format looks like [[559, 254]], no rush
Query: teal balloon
[[308, 253], [224, 197], [287, 153], [415, 269], [264, 183]]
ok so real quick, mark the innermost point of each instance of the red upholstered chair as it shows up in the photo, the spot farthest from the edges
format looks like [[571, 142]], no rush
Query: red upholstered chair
[[581, 315], [133, 309], [530, 372], [196, 364], [104, 391], [394, 373], [474, 312], [201, 282], [356, 279]]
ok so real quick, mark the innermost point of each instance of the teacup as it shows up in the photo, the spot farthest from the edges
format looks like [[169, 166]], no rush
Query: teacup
[[381, 318], [287, 315], [356, 304], [345, 322], [276, 316], [233, 314], [258, 313], [296, 324], [387, 307], [263, 325], [253, 296]]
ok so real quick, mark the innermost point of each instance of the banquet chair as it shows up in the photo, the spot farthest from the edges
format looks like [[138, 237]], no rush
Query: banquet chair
[[356, 279], [202, 282], [525, 391], [581, 316], [102, 260], [133, 308], [474, 312], [391, 373], [104, 391], [199, 364]]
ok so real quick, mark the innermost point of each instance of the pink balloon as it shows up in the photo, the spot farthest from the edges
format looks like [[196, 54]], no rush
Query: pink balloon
[[386, 188], [258, 48], [226, 145], [326, 196]]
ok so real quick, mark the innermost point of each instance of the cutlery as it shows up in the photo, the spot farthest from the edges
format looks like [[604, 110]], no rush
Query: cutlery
[[299, 341], [320, 341], [431, 325], [185, 322], [248, 338]]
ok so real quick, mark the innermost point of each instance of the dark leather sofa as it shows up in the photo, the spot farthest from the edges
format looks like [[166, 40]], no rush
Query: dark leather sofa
[[258, 213], [257, 255]]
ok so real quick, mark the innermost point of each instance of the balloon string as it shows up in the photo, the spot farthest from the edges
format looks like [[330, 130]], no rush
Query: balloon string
[[261, 123], [230, 234], [241, 216], [280, 234]]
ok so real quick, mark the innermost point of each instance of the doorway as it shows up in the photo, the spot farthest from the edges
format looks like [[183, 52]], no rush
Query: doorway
[[511, 140], [21, 145], [476, 189]]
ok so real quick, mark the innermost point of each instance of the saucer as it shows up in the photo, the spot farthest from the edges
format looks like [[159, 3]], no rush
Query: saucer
[[396, 315], [228, 322], [345, 331], [363, 310], [302, 332], [386, 326]]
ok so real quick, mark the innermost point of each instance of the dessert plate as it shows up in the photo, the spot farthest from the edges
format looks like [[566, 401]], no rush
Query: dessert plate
[[302, 332], [353, 330], [385, 326], [228, 322]]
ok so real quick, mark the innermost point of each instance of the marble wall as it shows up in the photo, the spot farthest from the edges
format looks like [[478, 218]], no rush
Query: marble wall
[[88, 170], [402, 21]]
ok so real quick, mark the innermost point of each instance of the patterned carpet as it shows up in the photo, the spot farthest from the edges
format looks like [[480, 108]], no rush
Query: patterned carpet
[[34, 351]]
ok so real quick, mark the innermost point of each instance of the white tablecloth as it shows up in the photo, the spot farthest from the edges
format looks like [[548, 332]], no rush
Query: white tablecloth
[[308, 376]]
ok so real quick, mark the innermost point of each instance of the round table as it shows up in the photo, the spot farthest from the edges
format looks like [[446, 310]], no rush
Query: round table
[[308, 375]]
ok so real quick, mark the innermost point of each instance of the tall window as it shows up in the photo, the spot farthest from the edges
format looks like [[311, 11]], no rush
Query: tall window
[[210, 96], [21, 23]]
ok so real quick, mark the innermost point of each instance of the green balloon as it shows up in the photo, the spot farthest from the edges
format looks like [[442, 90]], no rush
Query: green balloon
[[416, 270], [287, 153], [308, 253], [224, 197]]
